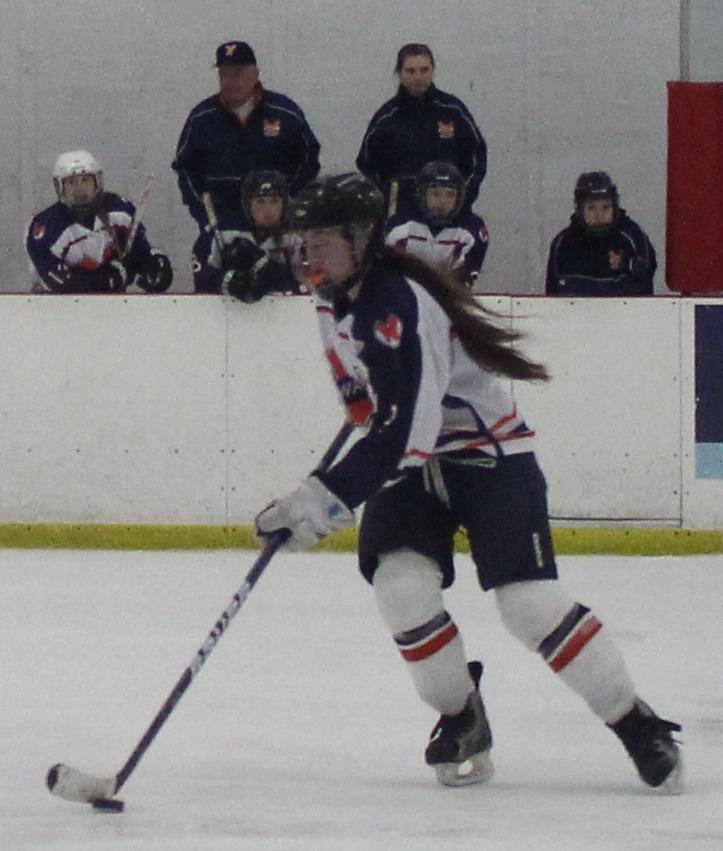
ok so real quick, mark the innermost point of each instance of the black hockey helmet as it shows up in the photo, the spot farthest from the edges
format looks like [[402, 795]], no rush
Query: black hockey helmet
[[259, 183], [595, 184], [343, 200], [440, 174], [348, 202]]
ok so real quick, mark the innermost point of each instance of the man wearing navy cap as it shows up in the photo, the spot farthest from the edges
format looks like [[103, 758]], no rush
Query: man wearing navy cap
[[242, 128]]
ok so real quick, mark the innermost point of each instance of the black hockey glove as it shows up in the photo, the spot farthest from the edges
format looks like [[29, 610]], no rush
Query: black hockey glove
[[240, 255], [245, 286], [157, 275], [249, 283], [113, 277]]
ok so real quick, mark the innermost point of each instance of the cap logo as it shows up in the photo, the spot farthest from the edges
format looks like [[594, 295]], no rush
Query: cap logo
[[230, 49]]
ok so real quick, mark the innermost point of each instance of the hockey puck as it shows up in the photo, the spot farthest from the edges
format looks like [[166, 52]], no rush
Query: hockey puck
[[52, 777], [108, 805]]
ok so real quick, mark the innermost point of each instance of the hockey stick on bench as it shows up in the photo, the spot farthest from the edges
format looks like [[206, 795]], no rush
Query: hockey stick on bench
[[140, 210], [75, 785], [216, 233]]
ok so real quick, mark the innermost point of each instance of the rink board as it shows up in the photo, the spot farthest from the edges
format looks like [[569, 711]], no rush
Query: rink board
[[198, 410]]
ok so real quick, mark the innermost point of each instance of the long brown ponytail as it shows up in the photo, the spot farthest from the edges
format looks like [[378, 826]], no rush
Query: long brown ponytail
[[489, 345]]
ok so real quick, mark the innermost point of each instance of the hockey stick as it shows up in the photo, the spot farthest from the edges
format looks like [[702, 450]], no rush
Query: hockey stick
[[110, 230], [213, 223], [75, 785], [393, 198], [140, 209]]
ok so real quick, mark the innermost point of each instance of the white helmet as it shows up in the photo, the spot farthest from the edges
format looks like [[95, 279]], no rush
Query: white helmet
[[77, 162]]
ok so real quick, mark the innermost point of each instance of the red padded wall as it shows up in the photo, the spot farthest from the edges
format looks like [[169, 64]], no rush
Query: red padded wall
[[694, 231]]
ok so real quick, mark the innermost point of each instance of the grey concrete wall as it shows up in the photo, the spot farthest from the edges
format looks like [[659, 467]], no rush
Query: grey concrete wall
[[702, 47], [557, 87]]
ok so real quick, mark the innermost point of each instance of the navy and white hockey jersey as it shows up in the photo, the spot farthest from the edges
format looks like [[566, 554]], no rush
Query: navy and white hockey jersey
[[459, 248], [404, 376], [69, 257]]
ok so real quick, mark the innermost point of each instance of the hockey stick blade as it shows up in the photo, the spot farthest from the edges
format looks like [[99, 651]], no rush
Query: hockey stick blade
[[71, 784]]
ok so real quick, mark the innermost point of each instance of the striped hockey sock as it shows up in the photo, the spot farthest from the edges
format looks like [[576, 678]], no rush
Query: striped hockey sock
[[586, 659], [565, 642], [422, 642], [436, 660]]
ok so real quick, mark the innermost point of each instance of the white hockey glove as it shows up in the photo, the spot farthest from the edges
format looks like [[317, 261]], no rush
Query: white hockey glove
[[310, 513]]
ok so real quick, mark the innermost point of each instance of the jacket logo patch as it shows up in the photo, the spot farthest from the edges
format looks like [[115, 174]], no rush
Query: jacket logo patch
[[272, 128], [38, 231], [615, 258], [445, 129], [389, 332]]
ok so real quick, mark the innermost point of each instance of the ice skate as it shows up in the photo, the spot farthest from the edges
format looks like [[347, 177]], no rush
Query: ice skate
[[459, 746], [648, 740]]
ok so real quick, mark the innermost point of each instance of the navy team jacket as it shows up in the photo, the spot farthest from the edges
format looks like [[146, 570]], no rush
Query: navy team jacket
[[620, 264], [216, 151], [407, 132]]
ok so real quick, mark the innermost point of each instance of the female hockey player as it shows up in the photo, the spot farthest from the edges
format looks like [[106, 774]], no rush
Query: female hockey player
[[602, 252], [439, 231], [82, 243], [418, 363], [249, 264]]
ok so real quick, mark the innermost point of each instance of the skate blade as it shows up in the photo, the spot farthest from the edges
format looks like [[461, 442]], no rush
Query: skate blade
[[477, 769], [673, 783]]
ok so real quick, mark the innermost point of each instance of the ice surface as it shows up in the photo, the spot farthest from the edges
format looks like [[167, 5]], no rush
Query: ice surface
[[303, 730]]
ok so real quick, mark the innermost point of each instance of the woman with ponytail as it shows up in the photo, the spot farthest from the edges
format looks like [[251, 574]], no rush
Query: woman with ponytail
[[418, 363]]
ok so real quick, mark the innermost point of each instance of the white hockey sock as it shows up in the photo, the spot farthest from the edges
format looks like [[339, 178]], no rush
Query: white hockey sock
[[408, 588], [572, 641]]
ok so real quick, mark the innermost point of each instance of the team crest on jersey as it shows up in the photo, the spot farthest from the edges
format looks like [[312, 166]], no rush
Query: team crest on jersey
[[38, 231], [272, 128], [389, 332], [445, 129]]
